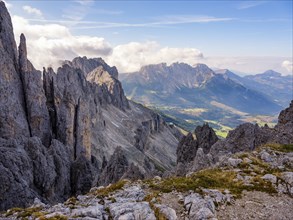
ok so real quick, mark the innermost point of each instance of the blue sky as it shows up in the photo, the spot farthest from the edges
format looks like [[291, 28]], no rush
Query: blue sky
[[214, 28]]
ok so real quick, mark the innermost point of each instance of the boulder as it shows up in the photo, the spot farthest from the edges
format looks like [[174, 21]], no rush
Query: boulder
[[199, 208], [166, 211], [131, 211]]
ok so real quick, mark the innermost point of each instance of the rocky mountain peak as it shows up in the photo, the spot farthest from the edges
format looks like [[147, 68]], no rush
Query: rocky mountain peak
[[86, 65], [7, 40], [203, 69], [153, 67], [104, 79], [271, 73]]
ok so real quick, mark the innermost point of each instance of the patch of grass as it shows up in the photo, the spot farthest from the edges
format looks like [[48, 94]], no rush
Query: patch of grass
[[71, 201], [38, 214], [55, 217], [257, 166], [13, 211], [262, 185], [104, 192], [221, 133], [212, 179], [242, 155], [244, 166], [259, 163], [281, 147], [28, 212]]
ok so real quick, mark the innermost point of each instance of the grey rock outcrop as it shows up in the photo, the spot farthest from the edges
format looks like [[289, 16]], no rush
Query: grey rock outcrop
[[13, 122], [193, 153], [186, 149], [131, 210], [205, 137], [201, 160], [34, 96], [116, 167], [83, 175], [26, 163], [245, 137], [199, 208], [132, 173], [15, 175], [130, 205], [284, 128]]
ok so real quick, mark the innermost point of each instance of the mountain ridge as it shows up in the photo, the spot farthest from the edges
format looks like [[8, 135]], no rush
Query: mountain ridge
[[188, 93]]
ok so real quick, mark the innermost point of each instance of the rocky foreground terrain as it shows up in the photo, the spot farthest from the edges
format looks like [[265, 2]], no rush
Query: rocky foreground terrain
[[247, 185]]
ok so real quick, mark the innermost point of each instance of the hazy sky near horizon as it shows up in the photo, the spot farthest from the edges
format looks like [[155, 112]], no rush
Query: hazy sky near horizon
[[244, 36]]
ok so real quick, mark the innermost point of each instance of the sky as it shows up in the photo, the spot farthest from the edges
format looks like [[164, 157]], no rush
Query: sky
[[247, 37]]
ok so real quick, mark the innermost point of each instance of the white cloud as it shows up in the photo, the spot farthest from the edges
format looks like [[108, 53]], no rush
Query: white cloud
[[288, 65], [85, 2], [49, 43], [34, 11], [185, 19], [250, 4], [161, 22], [130, 57]]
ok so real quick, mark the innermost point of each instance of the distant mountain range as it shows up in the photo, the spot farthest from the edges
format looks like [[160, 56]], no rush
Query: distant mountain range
[[271, 83], [189, 95]]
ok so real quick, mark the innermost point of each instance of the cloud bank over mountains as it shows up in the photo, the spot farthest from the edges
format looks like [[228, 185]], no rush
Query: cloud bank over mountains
[[50, 43]]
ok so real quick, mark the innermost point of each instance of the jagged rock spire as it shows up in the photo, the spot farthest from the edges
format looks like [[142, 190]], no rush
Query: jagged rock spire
[[23, 65], [6, 34]]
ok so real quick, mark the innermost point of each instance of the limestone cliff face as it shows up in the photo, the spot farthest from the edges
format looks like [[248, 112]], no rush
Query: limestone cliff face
[[59, 131], [34, 96], [13, 118]]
